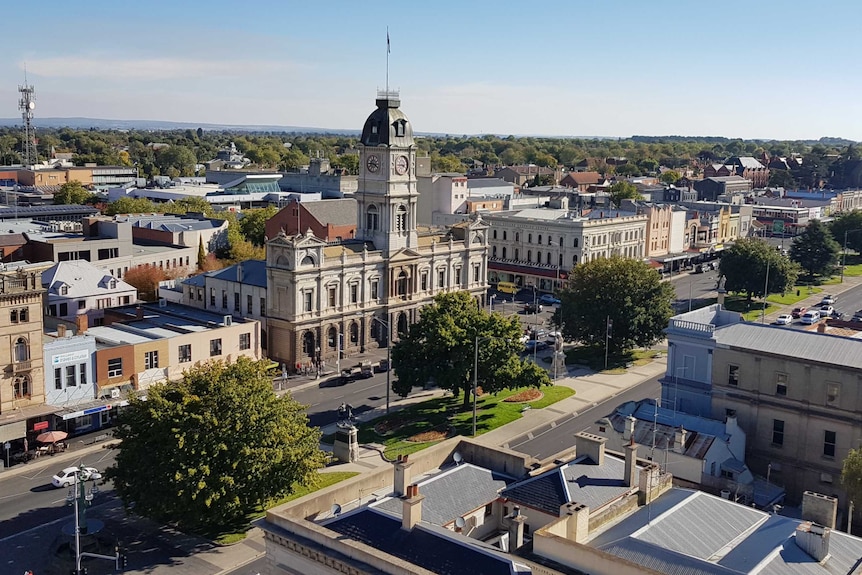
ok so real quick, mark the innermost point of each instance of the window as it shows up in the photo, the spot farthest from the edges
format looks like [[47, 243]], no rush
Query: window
[[441, 278], [331, 294], [22, 349], [375, 289], [780, 384], [115, 367], [249, 306], [307, 296], [517, 236], [489, 508], [832, 393], [540, 240], [354, 293], [529, 238], [112, 284], [64, 309], [504, 252], [200, 294], [23, 314], [14, 316], [185, 353], [151, 359], [236, 304], [21, 387], [64, 290], [733, 375], [82, 371], [401, 284], [215, 347], [332, 338], [829, 438], [245, 341], [401, 219], [103, 303], [494, 251], [504, 235], [263, 306], [371, 218], [212, 297], [575, 243], [777, 432], [354, 333], [476, 272], [495, 234], [224, 299], [71, 379], [58, 378]]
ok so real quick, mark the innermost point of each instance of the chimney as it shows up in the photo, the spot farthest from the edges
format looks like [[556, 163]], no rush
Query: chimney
[[139, 312], [821, 327], [402, 476], [578, 522], [592, 445], [631, 463], [239, 272], [680, 436], [81, 323], [516, 529], [61, 330], [820, 509], [411, 510], [813, 539], [629, 429]]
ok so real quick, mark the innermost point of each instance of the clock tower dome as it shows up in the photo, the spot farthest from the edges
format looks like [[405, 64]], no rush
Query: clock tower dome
[[386, 196]]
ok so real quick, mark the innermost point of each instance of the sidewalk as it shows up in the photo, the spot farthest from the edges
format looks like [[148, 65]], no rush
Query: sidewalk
[[813, 300]]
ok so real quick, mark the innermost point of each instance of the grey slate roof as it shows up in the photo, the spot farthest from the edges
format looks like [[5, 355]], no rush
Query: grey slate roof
[[822, 348], [453, 493], [340, 212], [436, 549], [253, 273], [580, 481]]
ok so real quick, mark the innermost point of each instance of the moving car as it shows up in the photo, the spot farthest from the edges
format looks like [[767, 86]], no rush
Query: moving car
[[826, 310], [507, 287], [784, 319], [548, 299], [828, 300], [66, 477], [812, 316], [798, 311]]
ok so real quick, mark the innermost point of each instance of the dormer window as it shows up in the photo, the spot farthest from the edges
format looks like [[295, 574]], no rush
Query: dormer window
[[64, 290], [112, 284]]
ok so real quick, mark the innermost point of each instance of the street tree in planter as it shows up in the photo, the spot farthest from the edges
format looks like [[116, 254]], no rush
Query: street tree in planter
[[628, 292], [815, 250], [744, 269], [441, 345], [209, 450]]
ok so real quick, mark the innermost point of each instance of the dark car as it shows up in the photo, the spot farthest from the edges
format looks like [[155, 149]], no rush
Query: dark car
[[535, 345], [533, 308], [798, 311], [548, 299]]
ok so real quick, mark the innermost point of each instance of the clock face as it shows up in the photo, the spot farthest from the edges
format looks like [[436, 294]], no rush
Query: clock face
[[401, 165], [373, 164]]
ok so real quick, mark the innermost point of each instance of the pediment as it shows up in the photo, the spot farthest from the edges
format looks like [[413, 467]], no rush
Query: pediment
[[309, 241], [404, 255]]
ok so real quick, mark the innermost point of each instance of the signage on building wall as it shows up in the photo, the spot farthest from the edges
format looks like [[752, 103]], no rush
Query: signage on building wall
[[70, 356], [40, 426], [90, 411]]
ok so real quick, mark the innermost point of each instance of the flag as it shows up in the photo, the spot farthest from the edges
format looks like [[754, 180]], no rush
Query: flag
[[388, 48]]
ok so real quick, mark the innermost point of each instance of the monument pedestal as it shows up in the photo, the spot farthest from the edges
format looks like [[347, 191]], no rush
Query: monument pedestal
[[346, 446]]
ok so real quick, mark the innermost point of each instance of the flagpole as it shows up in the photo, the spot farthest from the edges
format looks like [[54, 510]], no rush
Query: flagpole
[[387, 61]]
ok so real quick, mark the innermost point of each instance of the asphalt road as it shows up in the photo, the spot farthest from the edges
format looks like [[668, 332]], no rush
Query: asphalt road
[[848, 302]]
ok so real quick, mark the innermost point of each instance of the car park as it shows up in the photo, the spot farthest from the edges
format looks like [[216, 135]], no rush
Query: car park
[[784, 319], [548, 299], [798, 311], [827, 300], [67, 476]]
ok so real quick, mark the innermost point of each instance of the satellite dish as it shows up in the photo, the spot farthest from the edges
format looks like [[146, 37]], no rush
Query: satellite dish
[[460, 522], [457, 457], [336, 509]]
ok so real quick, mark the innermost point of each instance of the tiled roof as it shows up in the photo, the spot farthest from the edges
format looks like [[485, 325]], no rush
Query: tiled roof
[[253, 273], [83, 279], [336, 212]]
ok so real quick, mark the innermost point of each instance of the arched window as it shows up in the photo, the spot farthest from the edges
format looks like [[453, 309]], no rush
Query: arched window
[[548, 258], [529, 256], [354, 332], [495, 234], [517, 254], [504, 252], [575, 243], [22, 350], [372, 218], [307, 261], [401, 285], [21, 387], [540, 239], [401, 218], [308, 344], [494, 252], [561, 259], [529, 238], [575, 260], [402, 323], [332, 338]]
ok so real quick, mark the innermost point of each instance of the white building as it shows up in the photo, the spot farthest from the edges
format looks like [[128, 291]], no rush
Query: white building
[[79, 288]]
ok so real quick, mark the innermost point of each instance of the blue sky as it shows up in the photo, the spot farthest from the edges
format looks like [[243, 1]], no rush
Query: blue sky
[[768, 69]]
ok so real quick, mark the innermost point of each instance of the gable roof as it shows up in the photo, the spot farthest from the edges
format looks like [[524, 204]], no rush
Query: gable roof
[[584, 178], [336, 212], [253, 273], [83, 279]]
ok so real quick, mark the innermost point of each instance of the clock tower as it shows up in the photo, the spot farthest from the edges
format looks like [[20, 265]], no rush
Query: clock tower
[[387, 195]]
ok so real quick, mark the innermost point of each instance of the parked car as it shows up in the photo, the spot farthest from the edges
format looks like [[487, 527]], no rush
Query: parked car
[[535, 345], [67, 477], [551, 337], [810, 317], [828, 300], [798, 311], [533, 308], [858, 315], [538, 333], [784, 319], [548, 299], [383, 366], [826, 310]]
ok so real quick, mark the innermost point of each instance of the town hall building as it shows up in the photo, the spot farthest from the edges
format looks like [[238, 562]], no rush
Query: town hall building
[[330, 299]]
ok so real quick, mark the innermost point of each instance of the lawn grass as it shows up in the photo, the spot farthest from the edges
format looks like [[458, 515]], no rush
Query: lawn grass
[[449, 414], [229, 536], [853, 270], [790, 297], [594, 358]]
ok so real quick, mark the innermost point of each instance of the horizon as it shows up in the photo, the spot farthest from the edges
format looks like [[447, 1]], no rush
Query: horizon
[[622, 68]]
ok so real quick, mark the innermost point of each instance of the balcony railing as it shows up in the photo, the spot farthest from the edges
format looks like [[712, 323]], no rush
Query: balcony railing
[[20, 366]]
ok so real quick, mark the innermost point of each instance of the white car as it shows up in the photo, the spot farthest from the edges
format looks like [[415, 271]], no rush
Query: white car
[[827, 300], [67, 477], [826, 310], [784, 319]]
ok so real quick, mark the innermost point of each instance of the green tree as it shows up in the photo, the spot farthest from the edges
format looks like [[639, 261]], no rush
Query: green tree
[[815, 250], [253, 223], [669, 177], [447, 163], [213, 448], [202, 254], [130, 205], [73, 193], [848, 223], [178, 160], [851, 475], [628, 170], [620, 191], [781, 179], [349, 162], [626, 291], [190, 204], [744, 268], [441, 345]]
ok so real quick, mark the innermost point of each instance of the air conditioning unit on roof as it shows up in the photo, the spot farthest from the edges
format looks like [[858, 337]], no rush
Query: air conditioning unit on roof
[[228, 320]]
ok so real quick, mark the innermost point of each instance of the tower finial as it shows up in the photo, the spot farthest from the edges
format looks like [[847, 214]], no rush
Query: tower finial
[[388, 50]]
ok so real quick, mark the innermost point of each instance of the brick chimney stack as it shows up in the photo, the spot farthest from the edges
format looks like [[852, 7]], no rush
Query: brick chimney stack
[[411, 511], [82, 321], [402, 476], [631, 463]]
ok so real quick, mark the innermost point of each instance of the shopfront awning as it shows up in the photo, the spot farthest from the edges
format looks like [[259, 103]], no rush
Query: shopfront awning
[[14, 424]]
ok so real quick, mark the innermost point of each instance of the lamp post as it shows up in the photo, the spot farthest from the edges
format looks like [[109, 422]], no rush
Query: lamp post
[[340, 347], [491, 302], [844, 251], [388, 357], [80, 498]]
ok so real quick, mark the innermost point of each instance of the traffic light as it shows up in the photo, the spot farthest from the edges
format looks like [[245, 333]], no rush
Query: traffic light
[[123, 560]]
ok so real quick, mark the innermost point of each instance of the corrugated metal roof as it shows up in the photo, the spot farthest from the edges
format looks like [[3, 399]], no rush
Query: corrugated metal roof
[[833, 350]]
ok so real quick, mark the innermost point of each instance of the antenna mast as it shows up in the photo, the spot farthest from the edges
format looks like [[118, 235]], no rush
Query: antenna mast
[[26, 104], [388, 49]]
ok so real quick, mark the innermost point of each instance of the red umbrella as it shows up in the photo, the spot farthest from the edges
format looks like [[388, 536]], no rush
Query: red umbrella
[[51, 436]]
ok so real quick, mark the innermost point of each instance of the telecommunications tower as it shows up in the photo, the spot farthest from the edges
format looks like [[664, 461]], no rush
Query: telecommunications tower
[[27, 104]]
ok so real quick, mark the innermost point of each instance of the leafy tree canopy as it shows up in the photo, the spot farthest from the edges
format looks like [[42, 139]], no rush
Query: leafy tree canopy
[[744, 268], [211, 449], [253, 223], [626, 291], [670, 177], [448, 163], [781, 179], [620, 191], [815, 250], [847, 224], [189, 204], [132, 206], [851, 475], [441, 345], [73, 193]]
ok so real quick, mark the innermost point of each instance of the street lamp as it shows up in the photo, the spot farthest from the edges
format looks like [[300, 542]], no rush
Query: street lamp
[[844, 252], [80, 497], [388, 357], [491, 302]]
